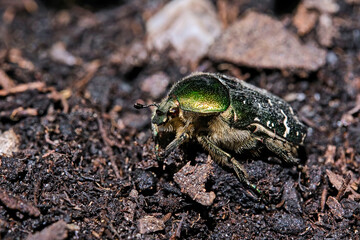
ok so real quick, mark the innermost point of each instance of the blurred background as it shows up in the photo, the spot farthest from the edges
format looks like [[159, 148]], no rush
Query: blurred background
[[80, 158]]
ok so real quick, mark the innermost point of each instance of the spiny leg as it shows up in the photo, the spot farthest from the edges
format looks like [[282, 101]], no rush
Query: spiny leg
[[155, 134], [281, 150], [225, 158], [174, 144]]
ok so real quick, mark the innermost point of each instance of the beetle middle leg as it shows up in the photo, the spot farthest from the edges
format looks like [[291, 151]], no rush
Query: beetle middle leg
[[225, 158]]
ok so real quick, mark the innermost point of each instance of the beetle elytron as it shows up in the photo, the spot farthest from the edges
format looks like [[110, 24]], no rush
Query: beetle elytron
[[227, 114]]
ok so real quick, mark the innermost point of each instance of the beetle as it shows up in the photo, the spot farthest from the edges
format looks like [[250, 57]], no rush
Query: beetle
[[227, 115]]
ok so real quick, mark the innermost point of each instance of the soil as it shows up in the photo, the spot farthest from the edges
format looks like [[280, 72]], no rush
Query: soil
[[85, 165]]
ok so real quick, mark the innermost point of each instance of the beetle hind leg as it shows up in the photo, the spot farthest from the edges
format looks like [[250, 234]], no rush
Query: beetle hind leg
[[284, 150], [225, 158], [217, 153]]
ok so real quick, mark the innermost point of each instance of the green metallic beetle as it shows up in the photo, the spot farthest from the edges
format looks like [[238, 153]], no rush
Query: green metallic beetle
[[227, 114]]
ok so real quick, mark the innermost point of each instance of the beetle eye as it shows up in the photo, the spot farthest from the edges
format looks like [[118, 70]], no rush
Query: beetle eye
[[173, 111]]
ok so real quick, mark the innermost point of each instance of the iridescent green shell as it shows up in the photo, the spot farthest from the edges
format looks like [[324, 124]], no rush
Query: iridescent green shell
[[201, 93]]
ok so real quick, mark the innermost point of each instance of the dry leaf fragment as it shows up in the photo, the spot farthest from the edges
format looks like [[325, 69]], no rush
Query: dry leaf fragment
[[337, 181]]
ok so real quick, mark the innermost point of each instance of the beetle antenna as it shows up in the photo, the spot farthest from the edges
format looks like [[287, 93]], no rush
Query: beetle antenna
[[140, 106]]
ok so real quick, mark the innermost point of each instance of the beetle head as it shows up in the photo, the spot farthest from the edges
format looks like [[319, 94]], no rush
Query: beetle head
[[201, 93], [167, 110]]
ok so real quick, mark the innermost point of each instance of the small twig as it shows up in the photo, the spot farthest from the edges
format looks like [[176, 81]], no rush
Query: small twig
[[280, 204], [178, 230], [91, 69], [48, 140], [55, 95], [108, 144], [103, 133], [48, 153], [17, 113], [22, 88], [36, 190], [309, 122], [323, 198], [112, 228]]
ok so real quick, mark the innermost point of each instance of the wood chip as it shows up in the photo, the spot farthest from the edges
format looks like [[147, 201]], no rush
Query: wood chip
[[304, 19]]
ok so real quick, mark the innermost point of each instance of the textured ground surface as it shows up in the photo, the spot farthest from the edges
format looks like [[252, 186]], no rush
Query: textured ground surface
[[85, 166]]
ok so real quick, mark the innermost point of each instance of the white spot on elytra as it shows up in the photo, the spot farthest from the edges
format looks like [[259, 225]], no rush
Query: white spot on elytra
[[291, 110], [297, 133], [269, 101], [244, 102], [303, 138], [256, 119], [268, 123], [287, 129]]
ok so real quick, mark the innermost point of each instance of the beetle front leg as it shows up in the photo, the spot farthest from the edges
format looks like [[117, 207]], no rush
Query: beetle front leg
[[155, 132], [174, 144], [225, 158]]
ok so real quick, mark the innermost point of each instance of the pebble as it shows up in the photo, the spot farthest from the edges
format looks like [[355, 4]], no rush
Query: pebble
[[188, 26]]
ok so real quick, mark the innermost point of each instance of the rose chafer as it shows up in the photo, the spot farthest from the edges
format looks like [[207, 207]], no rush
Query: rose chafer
[[227, 115]]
